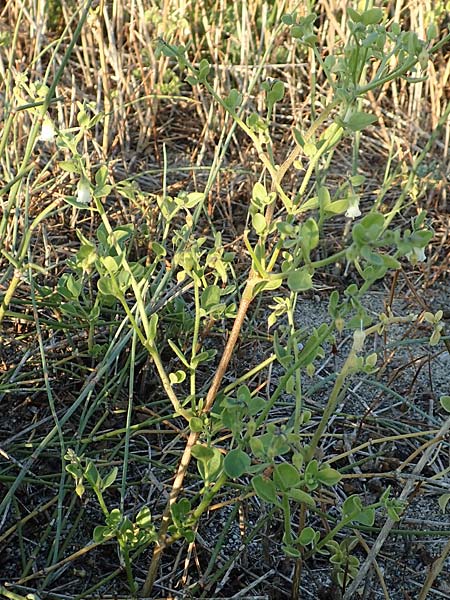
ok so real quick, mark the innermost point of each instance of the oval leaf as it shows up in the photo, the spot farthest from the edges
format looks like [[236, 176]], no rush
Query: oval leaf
[[286, 476], [265, 489], [360, 120], [299, 280], [445, 403], [301, 497], [328, 476], [236, 463]]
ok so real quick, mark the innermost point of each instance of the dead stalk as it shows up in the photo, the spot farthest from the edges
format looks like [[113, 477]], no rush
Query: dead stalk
[[193, 437]]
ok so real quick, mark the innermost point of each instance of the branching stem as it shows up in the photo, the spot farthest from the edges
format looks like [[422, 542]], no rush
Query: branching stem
[[246, 299]]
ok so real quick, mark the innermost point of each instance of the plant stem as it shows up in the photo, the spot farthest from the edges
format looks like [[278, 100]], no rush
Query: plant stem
[[331, 405], [246, 299], [296, 579], [195, 336]]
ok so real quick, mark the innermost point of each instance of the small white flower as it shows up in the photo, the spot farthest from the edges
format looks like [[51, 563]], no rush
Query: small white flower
[[359, 336], [353, 208], [84, 191], [417, 255], [48, 131]]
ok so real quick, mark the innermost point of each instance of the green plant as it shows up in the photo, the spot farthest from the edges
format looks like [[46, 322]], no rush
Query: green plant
[[123, 288], [130, 535], [281, 252]]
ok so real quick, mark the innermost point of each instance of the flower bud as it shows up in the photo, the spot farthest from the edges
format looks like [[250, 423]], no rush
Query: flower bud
[[339, 324], [84, 191], [353, 208], [358, 340], [47, 131]]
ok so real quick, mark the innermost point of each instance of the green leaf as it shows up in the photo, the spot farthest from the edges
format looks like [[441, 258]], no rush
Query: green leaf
[[259, 195], [421, 238], [291, 551], [105, 190], [368, 229], [298, 137], [74, 470], [192, 199], [192, 80], [309, 235], [82, 117], [286, 476], [153, 324], [202, 453], [272, 283], [394, 512], [307, 536], [354, 16], [101, 176], [210, 297], [189, 535], [232, 419], [360, 120], [255, 405], [301, 497], [177, 377], [366, 517], [372, 16], [333, 304], [196, 424], [390, 262], [310, 149], [92, 475], [203, 70], [299, 280], [352, 506], [310, 204], [287, 228], [257, 447], [69, 287], [244, 394], [275, 94], [328, 476], [297, 31], [114, 518], [445, 403], [259, 223], [144, 518], [100, 533], [110, 479], [209, 461], [71, 309], [106, 286], [233, 100], [357, 180], [443, 501], [111, 263], [180, 510], [277, 91], [236, 463], [71, 200], [265, 489], [371, 257], [324, 196], [70, 166], [203, 357], [337, 207]]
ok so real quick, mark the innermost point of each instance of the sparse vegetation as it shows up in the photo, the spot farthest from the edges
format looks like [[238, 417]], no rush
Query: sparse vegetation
[[224, 260]]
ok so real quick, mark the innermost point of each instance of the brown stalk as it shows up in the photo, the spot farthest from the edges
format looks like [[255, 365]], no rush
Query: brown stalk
[[160, 545]]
